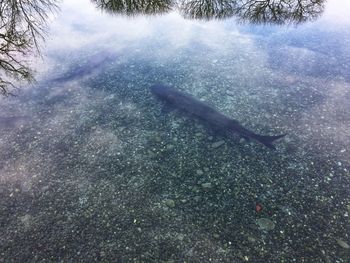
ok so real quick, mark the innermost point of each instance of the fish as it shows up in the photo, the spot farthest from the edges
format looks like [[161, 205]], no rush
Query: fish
[[184, 102]]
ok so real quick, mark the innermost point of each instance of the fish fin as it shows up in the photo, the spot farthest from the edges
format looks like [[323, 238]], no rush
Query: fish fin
[[268, 140]]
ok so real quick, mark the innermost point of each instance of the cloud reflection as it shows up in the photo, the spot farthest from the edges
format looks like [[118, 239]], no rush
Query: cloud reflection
[[97, 159]]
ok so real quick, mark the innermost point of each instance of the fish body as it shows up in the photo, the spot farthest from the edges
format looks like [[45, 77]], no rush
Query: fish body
[[187, 103]]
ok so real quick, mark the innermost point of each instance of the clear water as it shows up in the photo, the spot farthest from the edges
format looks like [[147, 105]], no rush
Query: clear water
[[92, 169]]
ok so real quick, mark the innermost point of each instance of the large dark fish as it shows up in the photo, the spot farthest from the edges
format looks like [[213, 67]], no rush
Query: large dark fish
[[215, 119]]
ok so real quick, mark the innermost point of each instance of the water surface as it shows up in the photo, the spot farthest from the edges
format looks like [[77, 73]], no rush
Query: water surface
[[91, 169]]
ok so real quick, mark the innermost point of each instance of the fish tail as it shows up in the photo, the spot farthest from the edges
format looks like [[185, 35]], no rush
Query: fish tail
[[268, 140]]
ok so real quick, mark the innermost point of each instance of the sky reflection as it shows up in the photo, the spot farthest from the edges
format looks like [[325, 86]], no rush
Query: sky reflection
[[91, 167]]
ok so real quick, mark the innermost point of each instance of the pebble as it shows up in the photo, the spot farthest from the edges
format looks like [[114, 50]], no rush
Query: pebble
[[195, 189], [110, 97], [170, 147], [169, 202], [217, 144], [230, 93], [206, 185], [199, 172], [265, 224], [197, 198], [26, 220], [151, 154], [180, 237], [342, 243], [251, 239]]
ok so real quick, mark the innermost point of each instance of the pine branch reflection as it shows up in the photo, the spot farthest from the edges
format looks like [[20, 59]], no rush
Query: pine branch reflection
[[279, 12], [135, 7], [252, 11], [22, 27]]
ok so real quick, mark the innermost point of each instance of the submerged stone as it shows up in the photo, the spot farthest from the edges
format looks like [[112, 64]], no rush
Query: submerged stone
[[206, 185], [230, 93], [169, 202], [217, 144], [199, 172], [265, 224], [197, 198], [343, 243], [170, 147], [26, 220]]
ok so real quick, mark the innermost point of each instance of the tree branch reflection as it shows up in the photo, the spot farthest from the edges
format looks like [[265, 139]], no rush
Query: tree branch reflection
[[22, 27], [207, 9], [252, 11], [135, 7], [279, 12]]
